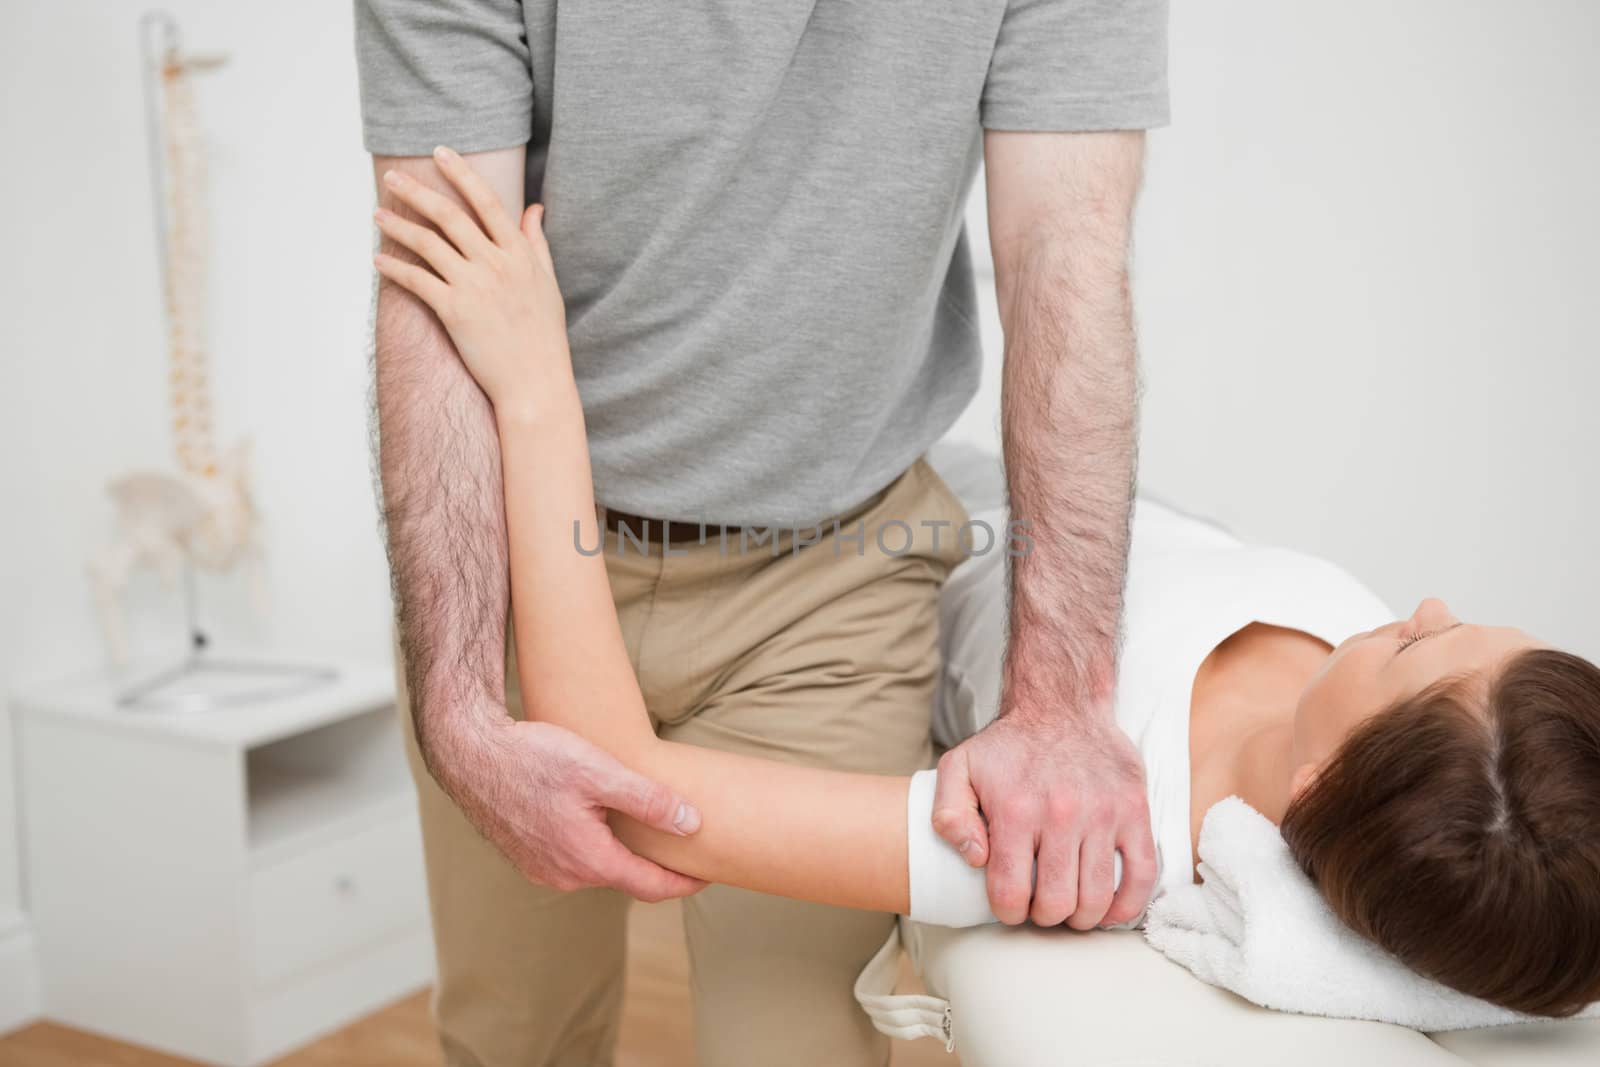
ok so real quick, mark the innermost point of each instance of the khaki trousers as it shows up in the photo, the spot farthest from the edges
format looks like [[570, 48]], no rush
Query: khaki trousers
[[819, 654]]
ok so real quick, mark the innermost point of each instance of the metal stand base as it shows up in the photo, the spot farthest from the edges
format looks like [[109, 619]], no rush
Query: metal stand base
[[200, 683]]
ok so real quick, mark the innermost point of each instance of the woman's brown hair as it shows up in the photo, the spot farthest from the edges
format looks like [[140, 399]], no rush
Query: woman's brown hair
[[1460, 830]]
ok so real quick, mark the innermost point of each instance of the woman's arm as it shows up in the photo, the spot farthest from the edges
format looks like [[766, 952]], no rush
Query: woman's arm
[[817, 835]]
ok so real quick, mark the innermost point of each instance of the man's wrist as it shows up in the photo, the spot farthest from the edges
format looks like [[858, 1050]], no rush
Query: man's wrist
[[457, 742], [1045, 685]]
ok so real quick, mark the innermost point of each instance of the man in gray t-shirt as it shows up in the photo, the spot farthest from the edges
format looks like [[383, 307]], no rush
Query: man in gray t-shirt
[[755, 214]]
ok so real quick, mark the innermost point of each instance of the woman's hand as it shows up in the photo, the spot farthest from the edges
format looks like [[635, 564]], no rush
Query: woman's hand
[[491, 283]]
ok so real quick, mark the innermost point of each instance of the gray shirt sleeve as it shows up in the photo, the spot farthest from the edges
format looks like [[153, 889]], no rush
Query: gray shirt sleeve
[[453, 72], [1078, 65]]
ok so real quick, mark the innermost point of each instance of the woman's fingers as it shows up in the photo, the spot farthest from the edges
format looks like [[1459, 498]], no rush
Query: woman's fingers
[[533, 230], [413, 279], [477, 193], [434, 250], [462, 230]]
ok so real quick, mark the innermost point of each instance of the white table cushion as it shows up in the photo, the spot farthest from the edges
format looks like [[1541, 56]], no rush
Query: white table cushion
[[1024, 996]]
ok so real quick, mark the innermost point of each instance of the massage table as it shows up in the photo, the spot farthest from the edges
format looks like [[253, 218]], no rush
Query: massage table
[[1021, 997], [1026, 997]]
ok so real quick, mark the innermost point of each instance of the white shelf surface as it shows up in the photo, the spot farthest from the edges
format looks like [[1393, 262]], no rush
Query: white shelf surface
[[93, 698]]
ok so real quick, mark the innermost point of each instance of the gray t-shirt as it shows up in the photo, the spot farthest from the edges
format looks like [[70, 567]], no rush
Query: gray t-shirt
[[755, 208]]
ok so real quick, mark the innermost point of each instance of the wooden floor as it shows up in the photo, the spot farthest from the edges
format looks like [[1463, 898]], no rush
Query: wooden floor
[[656, 1030]]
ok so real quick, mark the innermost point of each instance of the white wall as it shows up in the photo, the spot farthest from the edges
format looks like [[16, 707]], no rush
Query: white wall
[[1366, 263], [1366, 275]]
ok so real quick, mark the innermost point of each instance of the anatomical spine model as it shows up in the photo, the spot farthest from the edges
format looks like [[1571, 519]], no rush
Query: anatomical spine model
[[202, 516]]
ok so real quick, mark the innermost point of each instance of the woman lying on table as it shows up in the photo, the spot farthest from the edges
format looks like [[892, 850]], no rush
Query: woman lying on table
[[1439, 781]]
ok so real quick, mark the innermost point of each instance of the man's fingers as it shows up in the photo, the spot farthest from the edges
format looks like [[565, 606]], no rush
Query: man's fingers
[[1010, 869], [1139, 871], [1055, 885], [641, 879], [1096, 879], [649, 802], [956, 816]]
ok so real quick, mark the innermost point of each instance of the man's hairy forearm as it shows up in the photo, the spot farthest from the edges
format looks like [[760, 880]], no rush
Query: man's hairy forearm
[[443, 513], [1069, 404], [443, 505]]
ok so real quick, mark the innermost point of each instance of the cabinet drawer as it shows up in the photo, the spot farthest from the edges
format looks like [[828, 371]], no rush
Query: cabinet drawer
[[337, 897]]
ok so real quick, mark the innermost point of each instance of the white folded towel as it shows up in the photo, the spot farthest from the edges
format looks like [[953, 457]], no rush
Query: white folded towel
[[1259, 927]]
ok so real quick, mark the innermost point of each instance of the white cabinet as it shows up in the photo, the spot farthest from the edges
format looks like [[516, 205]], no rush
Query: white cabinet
[[223, 885]]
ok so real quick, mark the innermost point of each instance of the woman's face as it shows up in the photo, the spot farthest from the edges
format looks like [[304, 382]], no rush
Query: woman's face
[[1371, 671]]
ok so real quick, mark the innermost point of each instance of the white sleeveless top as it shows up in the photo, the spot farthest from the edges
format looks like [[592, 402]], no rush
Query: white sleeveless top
[[1190, 585]]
